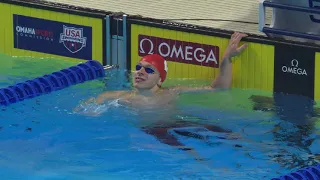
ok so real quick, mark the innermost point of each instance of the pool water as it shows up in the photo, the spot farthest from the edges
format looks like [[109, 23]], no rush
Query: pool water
[[44, 138]]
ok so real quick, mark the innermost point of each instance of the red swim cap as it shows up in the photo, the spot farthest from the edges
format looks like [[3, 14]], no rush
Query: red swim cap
[[158, 62]]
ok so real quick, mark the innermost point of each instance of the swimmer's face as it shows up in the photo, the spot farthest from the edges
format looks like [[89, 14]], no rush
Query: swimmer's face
[[146, 76]]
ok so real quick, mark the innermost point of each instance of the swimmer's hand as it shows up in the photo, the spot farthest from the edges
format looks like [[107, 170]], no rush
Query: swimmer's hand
[[95, 106], [109, 95], [91, 108], [80, 109], [233, 48]]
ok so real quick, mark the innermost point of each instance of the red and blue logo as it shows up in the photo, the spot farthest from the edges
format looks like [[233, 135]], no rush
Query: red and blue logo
[[72, 39]]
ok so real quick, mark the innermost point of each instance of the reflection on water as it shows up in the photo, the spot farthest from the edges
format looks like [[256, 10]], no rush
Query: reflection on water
[[296, 128]]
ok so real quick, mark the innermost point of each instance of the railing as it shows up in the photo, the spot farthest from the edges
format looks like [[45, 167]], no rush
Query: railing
[[312, 9]]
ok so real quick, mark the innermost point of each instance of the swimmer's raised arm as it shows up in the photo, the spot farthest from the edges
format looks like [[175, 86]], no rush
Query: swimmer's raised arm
[[224, 78]]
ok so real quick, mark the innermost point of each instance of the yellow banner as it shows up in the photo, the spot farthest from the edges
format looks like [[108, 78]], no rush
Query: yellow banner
[[197, 56]]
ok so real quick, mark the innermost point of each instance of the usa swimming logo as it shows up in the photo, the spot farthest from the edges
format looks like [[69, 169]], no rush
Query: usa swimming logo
[[72, 39]]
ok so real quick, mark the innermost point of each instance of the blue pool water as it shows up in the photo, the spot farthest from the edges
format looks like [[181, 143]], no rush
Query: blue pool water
[[44, 138]]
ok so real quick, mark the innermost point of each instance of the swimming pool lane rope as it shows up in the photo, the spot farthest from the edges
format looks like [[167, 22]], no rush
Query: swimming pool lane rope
[[64, 78], [308, 173]]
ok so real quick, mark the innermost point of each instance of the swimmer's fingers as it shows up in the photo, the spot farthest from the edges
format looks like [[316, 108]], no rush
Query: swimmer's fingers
[[236, 37], [235, 40], [233, 35], [241, 48], [233, 48]]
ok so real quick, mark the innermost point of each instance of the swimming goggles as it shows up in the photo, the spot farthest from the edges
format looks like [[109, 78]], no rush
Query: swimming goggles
[[149, 70]]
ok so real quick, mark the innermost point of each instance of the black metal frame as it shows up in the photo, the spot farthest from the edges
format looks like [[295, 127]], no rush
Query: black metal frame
[[291, 8]]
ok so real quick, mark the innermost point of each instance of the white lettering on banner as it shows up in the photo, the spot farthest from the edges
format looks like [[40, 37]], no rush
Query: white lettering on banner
[[34, 33], [25, 30], [142, 50], [294, 69], [179, 51]]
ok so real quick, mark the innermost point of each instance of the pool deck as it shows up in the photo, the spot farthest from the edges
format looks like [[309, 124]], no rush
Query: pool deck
[[234, 10]]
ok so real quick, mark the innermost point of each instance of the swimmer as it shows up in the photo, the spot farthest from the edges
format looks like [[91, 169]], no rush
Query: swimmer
[[151, 72]]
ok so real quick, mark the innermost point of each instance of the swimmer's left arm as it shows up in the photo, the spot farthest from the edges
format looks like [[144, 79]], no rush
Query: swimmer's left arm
[[224, 78]]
